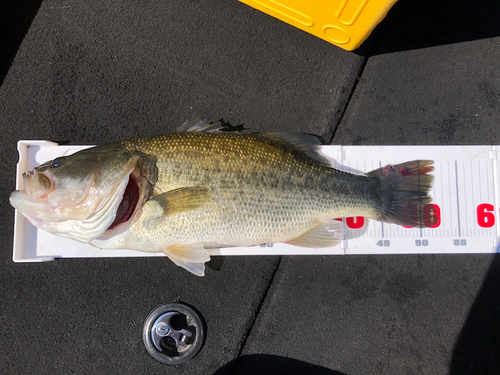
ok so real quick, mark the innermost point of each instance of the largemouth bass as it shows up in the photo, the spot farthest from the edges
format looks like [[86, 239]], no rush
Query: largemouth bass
[[200, 187]]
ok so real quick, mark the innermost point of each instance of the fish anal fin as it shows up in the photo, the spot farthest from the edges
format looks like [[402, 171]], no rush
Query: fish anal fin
[[190, 257], [181, 200], [326, 233]]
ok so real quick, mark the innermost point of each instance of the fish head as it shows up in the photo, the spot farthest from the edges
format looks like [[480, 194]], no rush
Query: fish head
[[77, 196]]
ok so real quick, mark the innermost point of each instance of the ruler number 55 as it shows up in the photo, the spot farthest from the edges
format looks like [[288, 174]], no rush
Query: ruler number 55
[[460, 242]]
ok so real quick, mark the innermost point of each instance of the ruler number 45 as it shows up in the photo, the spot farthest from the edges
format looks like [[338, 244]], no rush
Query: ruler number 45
[[383, 243]]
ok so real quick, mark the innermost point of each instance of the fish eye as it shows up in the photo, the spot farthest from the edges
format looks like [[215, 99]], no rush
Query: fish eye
[[57, 162]]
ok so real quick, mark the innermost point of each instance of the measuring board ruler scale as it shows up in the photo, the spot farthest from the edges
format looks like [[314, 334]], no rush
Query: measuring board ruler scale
[[462, 218]]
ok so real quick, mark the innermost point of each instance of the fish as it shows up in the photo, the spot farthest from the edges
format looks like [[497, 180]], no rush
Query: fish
[[202, 187]]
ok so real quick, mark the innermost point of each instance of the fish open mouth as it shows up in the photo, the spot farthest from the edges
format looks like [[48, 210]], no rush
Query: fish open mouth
[[128, 204]]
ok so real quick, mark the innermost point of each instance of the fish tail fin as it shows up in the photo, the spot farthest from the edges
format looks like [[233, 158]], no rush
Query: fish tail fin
[[405, 191]]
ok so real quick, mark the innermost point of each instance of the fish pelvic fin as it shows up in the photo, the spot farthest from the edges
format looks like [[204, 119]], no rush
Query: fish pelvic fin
[[404, 191], [326, 233], [190, 257], [181, 200]]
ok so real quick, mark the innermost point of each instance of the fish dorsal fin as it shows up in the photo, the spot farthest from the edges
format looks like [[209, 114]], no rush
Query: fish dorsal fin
[[181, 200], [197, 125], [305, 144], [326, 233], [191, 257]]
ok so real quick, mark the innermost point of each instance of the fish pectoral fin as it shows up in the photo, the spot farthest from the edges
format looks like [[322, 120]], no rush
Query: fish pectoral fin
[[326, 233], [191, 257], [181, 200]]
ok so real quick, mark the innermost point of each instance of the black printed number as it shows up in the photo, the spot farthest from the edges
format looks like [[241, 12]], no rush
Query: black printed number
[[421, 243], [460, 242], [383, 243]]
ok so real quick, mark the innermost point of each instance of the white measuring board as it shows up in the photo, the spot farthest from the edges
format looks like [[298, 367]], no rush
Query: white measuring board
[[464, 208], [463, 216]]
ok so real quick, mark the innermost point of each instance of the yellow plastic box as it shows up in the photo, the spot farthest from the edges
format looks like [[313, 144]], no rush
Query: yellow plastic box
[[345, 23]]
